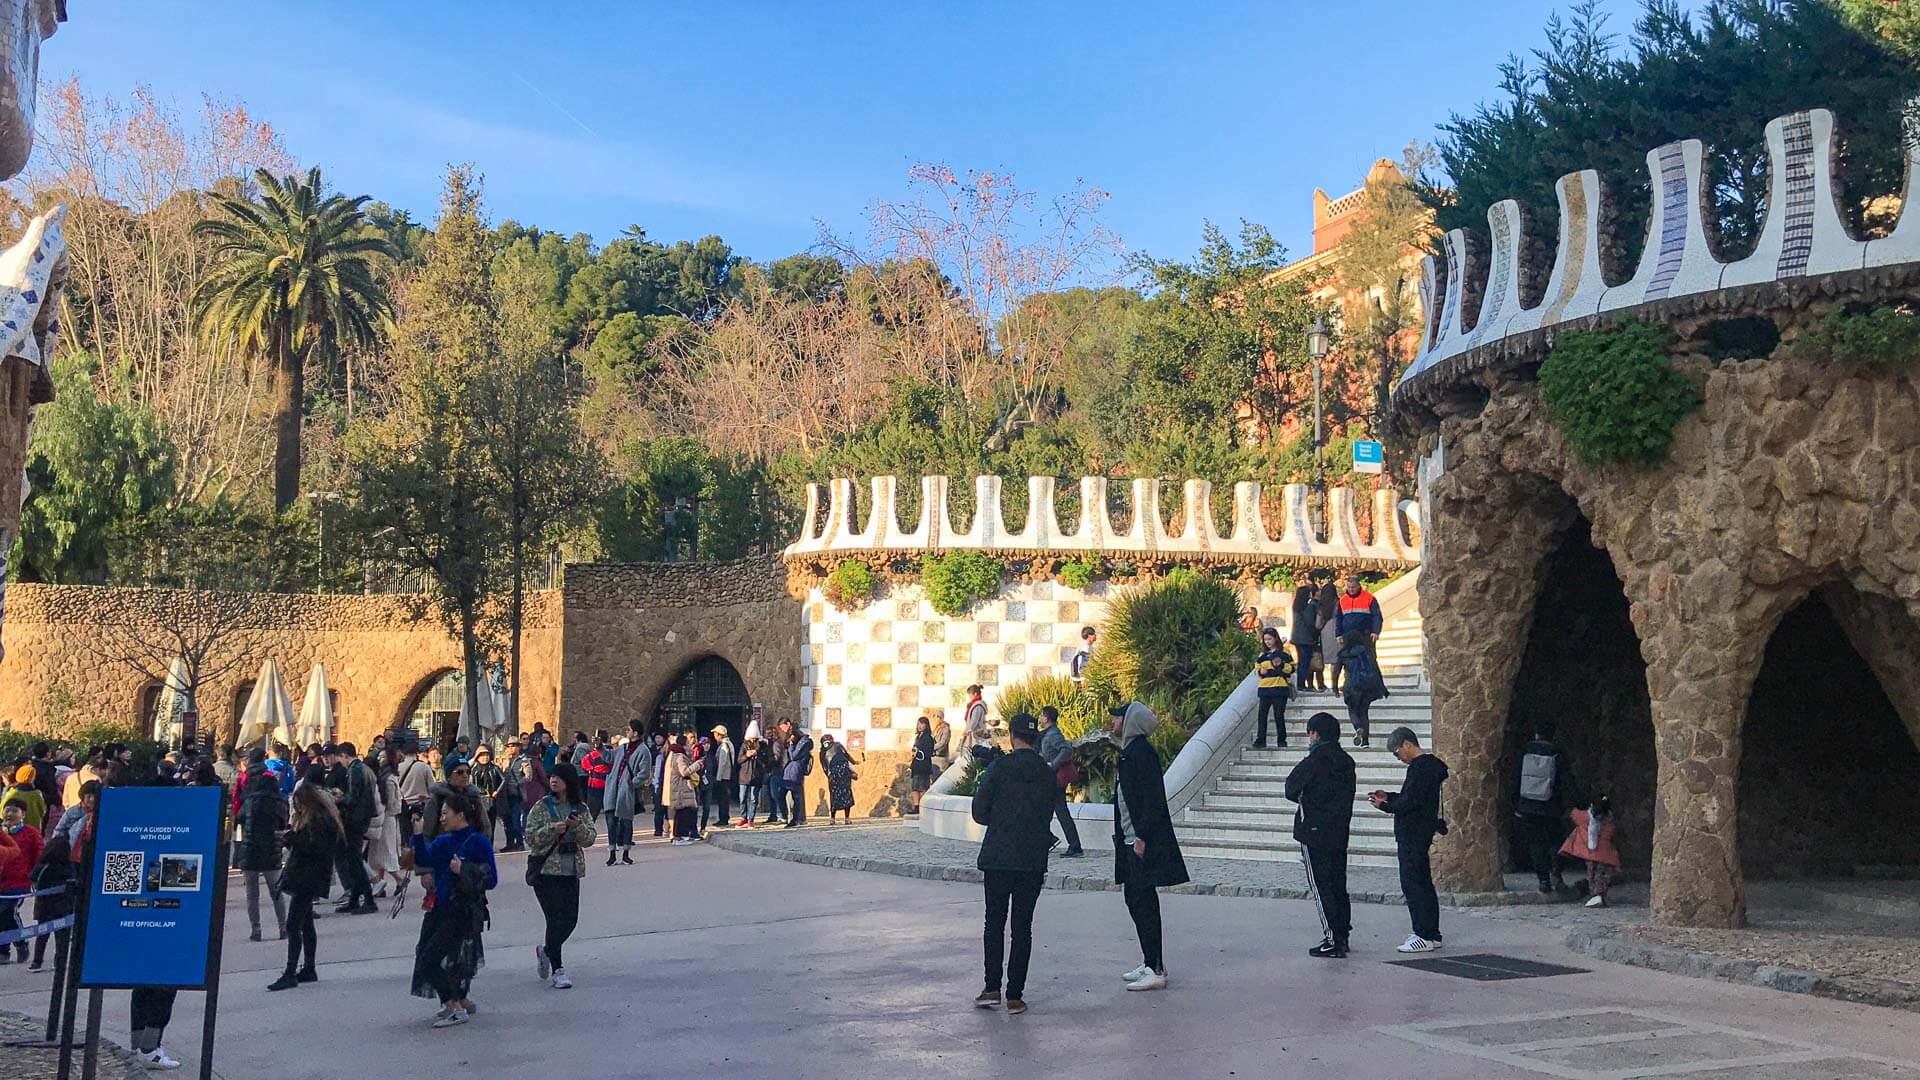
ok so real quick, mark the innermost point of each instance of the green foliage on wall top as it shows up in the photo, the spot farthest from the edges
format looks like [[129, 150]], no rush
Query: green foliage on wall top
[[1615, 394], [958, 580], [850, 585], [1887, 336]]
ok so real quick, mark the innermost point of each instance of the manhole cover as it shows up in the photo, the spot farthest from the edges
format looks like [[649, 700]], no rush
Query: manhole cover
[[1487, 967]]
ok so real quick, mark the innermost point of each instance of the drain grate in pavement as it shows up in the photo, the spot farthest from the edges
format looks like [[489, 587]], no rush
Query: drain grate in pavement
[[1487, 967]]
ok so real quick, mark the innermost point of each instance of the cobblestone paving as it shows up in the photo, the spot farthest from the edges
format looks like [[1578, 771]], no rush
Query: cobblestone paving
[[40, 1063]]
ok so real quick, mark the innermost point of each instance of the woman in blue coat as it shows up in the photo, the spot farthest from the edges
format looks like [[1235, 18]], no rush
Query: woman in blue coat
[[449, 954]]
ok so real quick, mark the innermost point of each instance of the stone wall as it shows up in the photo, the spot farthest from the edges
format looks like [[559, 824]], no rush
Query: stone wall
[[631, 630], [1793, 475], [381, 653]]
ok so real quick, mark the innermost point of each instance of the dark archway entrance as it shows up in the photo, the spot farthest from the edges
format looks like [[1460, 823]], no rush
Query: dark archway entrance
[[710, 692], [1826, 766], [1582, 673], [434, 712]]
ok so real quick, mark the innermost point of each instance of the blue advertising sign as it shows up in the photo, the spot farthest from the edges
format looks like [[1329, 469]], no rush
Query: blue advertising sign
[[151, 901], [1368, 456]]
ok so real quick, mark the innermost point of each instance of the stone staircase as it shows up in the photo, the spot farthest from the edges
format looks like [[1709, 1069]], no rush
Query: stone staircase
[[1400, 648], [1243, 812]]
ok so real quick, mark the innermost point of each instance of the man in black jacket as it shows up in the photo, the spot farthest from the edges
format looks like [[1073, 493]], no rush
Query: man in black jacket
[[1322, 789], [1015, 802], [1543, 788], [1416, 819], [358, 806]]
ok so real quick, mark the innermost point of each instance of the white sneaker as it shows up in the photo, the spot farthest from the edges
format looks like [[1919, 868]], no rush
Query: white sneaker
[[1152, 980], [158, 1061], [540, 961], [1136, 973], [560, 980], [1597, 900], [1416, 943], [1411, 938], [457, 1016]]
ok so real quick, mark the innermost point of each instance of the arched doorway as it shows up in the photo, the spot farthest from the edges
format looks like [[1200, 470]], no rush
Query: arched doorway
[[1826, 763], [709, 692], [1582, 675], [147, 708], [434, 712]]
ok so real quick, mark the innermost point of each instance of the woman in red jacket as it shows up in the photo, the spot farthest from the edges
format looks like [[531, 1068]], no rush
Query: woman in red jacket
[[597, 765], [19, 851]]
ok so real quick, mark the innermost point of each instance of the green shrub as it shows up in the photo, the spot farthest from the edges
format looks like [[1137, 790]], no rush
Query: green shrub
[[850, 585], [1887, 336], [1615, 395], [1099, 762], [969, 779], [1078, 573], [1081, 711], [1154, 636], [958, 580], [1278, 577]]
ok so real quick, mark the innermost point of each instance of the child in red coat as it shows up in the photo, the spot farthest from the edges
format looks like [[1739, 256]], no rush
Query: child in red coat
[[19, 851], [1592, 842]]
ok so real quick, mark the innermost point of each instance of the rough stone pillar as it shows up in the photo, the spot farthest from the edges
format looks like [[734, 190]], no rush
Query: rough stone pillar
[[1487, 540], [1703, 637]]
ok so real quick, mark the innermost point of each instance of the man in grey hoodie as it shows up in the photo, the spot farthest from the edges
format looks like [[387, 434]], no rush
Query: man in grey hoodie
[[1059, 754]]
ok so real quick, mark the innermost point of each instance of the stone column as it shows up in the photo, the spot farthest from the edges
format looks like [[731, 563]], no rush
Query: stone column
[[1703, 636], [1487, 541]]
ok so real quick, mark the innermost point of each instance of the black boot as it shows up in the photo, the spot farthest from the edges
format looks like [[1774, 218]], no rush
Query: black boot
[[287, 981]]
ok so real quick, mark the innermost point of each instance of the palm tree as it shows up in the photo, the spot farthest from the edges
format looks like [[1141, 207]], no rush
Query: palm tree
[[293, 271]]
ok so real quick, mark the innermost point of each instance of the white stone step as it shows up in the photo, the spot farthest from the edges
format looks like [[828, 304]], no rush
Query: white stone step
[[1279, 804], [1369, 776], [1274, 822], [1289, 852]]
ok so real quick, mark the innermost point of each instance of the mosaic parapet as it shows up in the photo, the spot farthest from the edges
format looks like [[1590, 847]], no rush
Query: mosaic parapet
[[835, 522], [1476, 311]]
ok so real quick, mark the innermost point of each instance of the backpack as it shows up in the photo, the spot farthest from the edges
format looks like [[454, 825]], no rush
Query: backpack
[[1537, 775]]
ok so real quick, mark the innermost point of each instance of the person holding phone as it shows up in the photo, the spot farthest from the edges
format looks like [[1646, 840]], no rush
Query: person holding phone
[[559, 829]]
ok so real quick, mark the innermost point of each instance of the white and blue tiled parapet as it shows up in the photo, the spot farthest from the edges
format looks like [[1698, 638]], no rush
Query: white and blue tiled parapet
[[1803, 237], [1395, 541]]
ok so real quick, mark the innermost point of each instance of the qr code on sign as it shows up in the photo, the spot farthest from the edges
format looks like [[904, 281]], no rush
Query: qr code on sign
[[122, 876]]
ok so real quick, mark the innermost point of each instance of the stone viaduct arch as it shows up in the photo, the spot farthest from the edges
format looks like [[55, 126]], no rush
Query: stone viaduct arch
[[1789, 482]]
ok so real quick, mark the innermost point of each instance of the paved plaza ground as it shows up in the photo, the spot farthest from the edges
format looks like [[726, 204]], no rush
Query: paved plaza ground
[[709, 962]]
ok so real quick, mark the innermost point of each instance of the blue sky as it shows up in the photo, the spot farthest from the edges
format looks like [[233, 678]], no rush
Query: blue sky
[[752, 120]]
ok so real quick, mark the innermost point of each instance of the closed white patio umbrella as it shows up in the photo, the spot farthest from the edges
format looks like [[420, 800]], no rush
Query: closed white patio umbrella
[[478, 728], [269, 712], [176, 697], [316, 712]]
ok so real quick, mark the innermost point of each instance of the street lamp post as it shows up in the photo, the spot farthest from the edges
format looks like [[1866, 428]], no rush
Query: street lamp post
[[1317, 345]]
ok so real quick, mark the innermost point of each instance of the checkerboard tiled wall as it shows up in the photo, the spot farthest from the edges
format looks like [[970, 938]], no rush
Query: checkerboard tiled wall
[[878, 668]]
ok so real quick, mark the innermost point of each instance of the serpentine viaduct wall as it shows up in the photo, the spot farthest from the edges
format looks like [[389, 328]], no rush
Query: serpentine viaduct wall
[[1796, 478]]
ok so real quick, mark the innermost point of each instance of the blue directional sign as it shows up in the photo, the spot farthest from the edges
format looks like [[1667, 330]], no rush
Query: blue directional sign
[[1368, 456], [150, 902]]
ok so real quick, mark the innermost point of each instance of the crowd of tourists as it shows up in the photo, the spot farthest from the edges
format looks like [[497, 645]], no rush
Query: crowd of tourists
[[329, 821]]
